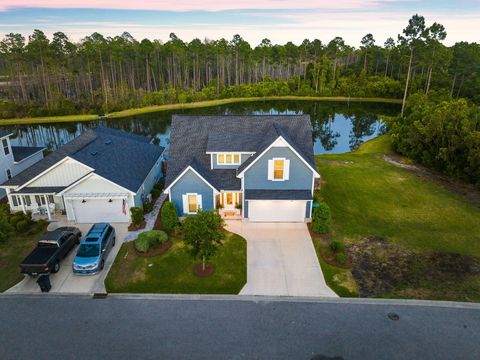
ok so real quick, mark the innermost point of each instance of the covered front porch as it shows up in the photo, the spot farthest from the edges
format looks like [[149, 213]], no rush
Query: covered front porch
[[43, 203], [229, 204]]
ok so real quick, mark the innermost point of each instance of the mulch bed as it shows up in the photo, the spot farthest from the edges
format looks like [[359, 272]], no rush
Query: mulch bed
[[163, 248], [324, 239], [132, 227], [198, 270]]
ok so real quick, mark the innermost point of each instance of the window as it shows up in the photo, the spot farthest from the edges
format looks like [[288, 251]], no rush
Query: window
[[40, 200], [14, 200], [278, 169], [228, 159], [26, 200], [50, 199], [6, 149], [9, 173], [192, 203]]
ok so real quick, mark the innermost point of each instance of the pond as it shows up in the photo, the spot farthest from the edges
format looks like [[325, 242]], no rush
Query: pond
[[337, 127]]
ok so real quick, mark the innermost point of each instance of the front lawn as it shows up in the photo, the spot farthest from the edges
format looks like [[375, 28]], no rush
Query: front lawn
[[14, 250], [370, 197], [171, 272]]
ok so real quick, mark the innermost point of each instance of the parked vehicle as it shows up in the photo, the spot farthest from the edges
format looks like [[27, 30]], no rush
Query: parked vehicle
[[51, 249], [94, 249]]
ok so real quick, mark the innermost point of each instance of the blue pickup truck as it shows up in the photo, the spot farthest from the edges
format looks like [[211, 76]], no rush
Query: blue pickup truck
[[94, 249]]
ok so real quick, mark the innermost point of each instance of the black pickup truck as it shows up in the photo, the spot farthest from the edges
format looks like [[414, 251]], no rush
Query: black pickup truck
[[50, 250]]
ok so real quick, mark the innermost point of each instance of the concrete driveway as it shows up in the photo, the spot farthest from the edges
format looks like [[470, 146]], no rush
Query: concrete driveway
[[281, 260], [65, 281]]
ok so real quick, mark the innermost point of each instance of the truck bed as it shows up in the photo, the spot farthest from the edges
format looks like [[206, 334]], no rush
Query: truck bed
[[34, 262]]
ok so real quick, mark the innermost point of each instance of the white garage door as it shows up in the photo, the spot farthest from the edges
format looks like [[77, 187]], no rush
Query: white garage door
[[277, 210], [100, 210]]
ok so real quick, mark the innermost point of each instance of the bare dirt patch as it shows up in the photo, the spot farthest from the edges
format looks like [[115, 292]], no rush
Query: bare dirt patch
[[468, 191], [335, 162], [381, 268]]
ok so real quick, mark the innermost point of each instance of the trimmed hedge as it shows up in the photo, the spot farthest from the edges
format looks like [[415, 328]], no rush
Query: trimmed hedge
[[137, 215], [321, 218], [169, 216], [150, 239]]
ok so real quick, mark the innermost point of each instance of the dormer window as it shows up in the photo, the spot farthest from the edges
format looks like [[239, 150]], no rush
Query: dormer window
[[228, 159], [6, 149], [278, 169]]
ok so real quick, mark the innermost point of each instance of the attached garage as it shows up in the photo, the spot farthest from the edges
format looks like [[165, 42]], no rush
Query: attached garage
[[277, 210], [100, 210]]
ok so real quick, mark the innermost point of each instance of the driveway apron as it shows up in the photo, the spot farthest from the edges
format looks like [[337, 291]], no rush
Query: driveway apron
[[281, 260]]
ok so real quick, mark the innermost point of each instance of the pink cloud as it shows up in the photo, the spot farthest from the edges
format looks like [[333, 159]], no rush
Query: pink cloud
[[189, 5]]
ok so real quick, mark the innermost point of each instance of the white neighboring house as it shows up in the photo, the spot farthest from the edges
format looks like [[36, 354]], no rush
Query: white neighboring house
[[15, 159], [97, 177]]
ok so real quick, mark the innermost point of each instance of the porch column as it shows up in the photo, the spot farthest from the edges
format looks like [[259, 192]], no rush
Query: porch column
[[22, 203], [48, 207]]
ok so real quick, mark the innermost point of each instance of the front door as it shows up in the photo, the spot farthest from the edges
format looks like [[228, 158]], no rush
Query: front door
[[229, 200]]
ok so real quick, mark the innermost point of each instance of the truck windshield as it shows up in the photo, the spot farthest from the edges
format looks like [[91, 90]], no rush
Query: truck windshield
[[88, 250]]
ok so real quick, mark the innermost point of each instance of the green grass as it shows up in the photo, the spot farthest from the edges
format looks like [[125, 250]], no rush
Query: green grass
[[193, 105], [13, 251], [369, 196], [171, 272]]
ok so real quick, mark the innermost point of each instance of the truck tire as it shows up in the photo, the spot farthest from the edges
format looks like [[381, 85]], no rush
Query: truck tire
[[56, 267]]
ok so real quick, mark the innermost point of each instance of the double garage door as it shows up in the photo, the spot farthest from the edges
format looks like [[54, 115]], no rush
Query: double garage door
[[100, 210], [277, 210]]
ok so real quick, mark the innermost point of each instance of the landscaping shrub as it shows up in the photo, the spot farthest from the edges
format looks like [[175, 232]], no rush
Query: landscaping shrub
[[22, 226], [321, 218], [147, 207], [6, 228], [137, 215], [155, 193], [337, 246], [169, 216], [149, 239], [160, 185], [340, 258]]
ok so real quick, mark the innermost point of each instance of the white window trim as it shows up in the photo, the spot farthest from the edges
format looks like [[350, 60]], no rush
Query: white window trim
[[232, 154], [196, 200], [286, 163]]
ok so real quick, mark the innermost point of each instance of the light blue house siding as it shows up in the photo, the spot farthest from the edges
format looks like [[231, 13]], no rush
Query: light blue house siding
[[300, 175], [191, 183], [243, 158], [152, 178]]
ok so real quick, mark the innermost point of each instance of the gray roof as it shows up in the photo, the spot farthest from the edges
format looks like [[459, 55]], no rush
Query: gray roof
[[40, 190], [22, 152], [4, 133], [278, 195], [123, 158], [192, 136]]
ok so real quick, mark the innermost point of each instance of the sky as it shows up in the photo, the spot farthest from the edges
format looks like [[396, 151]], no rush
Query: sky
[[278, 20]]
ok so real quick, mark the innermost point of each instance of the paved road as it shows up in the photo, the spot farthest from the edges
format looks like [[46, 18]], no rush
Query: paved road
[[281, 260], [74, 327]]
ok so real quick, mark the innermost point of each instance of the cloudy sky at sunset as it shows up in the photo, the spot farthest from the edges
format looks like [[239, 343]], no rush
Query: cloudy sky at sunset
[[279, 20]]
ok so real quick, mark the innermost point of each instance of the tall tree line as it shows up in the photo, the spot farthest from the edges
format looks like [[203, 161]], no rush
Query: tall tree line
[[40, 76]]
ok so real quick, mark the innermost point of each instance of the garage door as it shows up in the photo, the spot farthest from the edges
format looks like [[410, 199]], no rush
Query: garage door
[[100, 210], [276, 210]]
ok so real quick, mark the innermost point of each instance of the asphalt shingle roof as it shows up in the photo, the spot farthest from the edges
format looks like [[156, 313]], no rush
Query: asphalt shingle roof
[[192, 136], [123, 158], [22, 152], [278, 195], [4, 133]]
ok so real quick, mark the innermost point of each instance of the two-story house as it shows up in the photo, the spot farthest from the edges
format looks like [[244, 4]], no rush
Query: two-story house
[[15, 159], [258, 167]]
